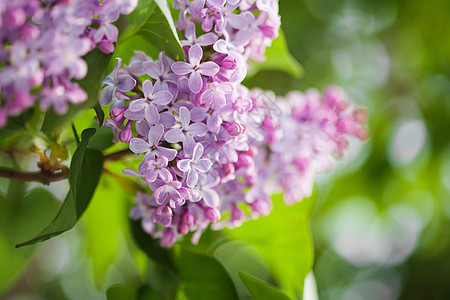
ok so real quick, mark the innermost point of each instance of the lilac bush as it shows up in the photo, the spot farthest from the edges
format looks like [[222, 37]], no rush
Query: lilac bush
[[43, 43], [214, 151]]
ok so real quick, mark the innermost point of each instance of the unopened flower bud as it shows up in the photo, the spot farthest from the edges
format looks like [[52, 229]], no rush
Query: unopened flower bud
[[212, 214], [229, 63], [126, 134]]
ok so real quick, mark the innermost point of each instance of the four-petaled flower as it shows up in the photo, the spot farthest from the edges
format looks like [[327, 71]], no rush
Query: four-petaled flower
[[195, 68], [157, 168], [152, 148], [123, 83], [190, 166], [148, 102], [187, 132]]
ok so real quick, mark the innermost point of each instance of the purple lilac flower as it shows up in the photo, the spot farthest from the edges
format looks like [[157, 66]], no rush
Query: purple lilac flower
[[46, 44], [152, 148], [195, 68], [215, 146], [191, 166], [148, 103]]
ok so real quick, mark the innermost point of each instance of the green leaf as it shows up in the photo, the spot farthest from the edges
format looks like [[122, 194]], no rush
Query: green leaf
[[97, 62], [151, 246], [261, 290], [84, 173], [278, 58], [20, 212], [103, 222], [202, 277], [161, 271], [153, 22], [100, 114], [284, 240], [103, 139], [121, 292]]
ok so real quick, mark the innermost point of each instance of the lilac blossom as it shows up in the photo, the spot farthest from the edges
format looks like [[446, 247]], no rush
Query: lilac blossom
[[216, 146], [191, 166], [152, 148], [187, 132], [147, 104], [46, 43], [195, 68]]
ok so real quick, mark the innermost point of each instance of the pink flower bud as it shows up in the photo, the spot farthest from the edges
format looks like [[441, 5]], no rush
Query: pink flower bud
[[14, 18], [29, 33], [168, 238], [234, 128], [229, 63], [244, 161], [126, 134], [212, 214], [261, 207], [228, 169], [106, 46], [116, 113]]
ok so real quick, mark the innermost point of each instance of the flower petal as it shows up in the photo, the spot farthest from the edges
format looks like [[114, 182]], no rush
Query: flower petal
[[182, 68], [154, 134], [131, 172], [198, 152], [168, 153], [195, 82], [107, 94], [125, 83], [184, 165], [138, 145], [208, 68], [197, 129], [211, 198], [207, 39], [151, 114], [185, 117], [192, 178], [151, 69], [221, 46], [203, 165], [165, 175], [195, 55], [174, 135], [137, 105], [198, 114], [162, 97], [147, 88]]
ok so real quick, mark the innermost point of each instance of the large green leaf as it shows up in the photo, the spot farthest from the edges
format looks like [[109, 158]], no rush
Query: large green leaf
[[103, 222], [153, 22], [261, 290], [121, 292], [85, 171], [20, 212], [97, 62], [278, 58], [202, 277], [284, 240]]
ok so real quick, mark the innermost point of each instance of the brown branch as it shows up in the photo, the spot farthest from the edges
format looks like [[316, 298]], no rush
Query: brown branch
[[117, 155], [42, 177], [48, 177]]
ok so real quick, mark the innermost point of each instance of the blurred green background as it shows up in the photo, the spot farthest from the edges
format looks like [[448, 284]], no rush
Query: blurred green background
[[381, 217]]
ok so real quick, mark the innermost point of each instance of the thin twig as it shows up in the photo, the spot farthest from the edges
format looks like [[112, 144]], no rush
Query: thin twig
[[47, 177], [42, 177]]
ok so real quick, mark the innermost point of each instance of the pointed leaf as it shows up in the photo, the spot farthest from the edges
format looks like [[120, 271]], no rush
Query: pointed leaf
[[84, 173], [260, 289], [153, 22], [203, 277], [278, 58]]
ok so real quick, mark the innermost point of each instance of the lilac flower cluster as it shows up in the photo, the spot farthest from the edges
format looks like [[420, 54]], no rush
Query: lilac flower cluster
[[213, 151], [43, 43]]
